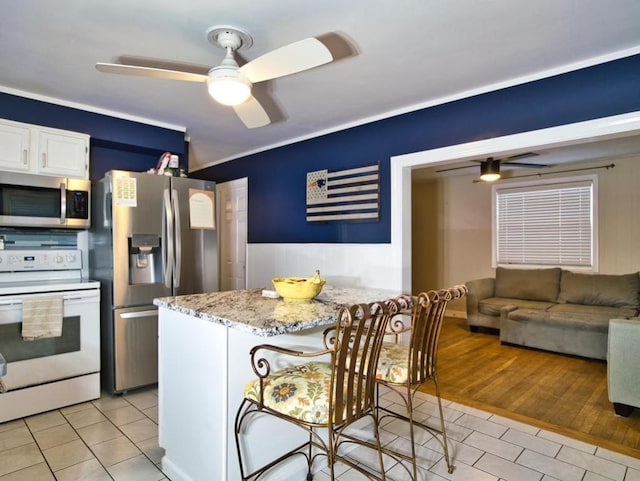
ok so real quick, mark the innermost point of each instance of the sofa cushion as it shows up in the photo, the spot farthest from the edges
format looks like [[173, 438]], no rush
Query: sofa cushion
[[566, 320], [607, 311], [600, 289], [493, 305], [530, 284]]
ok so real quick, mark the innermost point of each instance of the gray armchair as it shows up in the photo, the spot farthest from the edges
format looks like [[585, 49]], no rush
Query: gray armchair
[[623, 365]]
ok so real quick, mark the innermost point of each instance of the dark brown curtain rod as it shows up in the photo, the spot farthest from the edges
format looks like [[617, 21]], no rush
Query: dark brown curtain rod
[[540, 174]]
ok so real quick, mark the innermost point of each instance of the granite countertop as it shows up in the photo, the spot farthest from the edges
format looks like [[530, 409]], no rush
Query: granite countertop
[[249, 311]]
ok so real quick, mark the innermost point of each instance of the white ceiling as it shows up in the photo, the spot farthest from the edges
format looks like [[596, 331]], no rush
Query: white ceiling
[[392, 57]]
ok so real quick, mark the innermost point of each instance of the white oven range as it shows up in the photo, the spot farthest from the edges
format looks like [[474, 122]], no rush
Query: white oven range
[[49, 373]]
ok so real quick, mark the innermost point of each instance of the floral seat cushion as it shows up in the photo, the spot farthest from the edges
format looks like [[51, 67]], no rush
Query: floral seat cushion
[[393, 364], [301, 392]]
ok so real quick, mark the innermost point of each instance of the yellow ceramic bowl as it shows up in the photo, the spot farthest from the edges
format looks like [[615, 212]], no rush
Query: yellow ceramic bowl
[[297, 289]]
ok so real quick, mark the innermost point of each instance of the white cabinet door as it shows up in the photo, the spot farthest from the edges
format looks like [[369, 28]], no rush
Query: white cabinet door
[[14, 147], [63, 154]]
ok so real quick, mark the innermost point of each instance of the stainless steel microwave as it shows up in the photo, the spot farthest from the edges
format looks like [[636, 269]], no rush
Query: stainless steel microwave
[[30, 200]]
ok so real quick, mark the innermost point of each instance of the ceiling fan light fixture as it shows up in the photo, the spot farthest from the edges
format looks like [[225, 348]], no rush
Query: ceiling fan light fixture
[[490, 170], [231, 85], [228, 86]]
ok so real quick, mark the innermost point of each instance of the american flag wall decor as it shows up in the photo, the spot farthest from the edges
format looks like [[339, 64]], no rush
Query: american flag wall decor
[[352, 194]]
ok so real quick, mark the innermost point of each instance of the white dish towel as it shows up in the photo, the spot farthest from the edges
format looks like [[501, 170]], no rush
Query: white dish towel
[[42, 317]]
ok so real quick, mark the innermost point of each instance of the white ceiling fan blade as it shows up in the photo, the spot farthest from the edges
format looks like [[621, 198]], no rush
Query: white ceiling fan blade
[[287, 60], [252, 113], [150, 72]]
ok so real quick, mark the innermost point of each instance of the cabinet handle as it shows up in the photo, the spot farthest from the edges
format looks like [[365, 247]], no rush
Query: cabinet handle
[[44, 160], [24, 157]]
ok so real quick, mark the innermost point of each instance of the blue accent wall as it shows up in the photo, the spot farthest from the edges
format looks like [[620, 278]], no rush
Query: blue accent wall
[[277, 178], [115, 143]]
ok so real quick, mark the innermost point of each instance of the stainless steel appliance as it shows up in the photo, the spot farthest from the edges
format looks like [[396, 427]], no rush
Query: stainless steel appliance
[[52, 372], [152, 236], [29, 200]]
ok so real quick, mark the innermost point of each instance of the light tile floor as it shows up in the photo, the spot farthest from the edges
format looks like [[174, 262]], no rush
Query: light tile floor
[[486, 447], [111, 438], [116, 438]]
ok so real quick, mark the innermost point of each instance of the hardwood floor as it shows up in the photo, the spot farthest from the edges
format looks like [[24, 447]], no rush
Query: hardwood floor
[[560, 393]]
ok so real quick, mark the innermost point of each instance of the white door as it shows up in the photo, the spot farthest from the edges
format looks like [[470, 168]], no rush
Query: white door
[[232, 198]]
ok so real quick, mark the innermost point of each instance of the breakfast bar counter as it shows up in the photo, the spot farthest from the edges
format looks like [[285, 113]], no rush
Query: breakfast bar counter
[[203, 351]]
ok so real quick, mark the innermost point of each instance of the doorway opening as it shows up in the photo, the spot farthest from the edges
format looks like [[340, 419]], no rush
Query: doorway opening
[[592, 131]]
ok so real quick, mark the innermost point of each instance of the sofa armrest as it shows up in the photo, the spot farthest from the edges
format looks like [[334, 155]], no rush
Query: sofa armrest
[[478, 289], [623, 362]]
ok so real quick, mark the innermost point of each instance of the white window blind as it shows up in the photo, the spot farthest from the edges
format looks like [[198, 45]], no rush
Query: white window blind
[[545, 224]]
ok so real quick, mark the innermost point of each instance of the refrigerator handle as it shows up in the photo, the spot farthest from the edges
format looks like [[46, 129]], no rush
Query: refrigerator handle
[[167, 239], [106, 209], [178, 239]]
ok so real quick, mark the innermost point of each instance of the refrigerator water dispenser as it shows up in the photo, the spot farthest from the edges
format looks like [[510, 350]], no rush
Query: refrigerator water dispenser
[[144, 259]]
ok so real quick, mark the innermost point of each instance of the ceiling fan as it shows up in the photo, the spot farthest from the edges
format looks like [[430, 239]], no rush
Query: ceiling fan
[[490, 167], [230, 84]]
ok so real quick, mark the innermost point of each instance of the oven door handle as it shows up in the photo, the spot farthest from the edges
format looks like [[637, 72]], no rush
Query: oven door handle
[[81, 297], [71, 297], [137, 314], [10, 302]]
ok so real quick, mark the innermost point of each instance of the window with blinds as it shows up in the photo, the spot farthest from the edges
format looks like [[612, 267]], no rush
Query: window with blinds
[[545, 224]]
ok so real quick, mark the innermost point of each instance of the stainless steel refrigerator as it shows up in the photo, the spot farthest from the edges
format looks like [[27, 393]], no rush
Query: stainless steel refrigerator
[[151, 236]]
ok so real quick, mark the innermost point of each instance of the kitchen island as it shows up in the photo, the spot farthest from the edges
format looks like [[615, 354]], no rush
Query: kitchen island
[[203, 355]]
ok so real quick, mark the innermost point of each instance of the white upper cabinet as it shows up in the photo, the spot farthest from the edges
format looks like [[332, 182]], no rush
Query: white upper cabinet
[[14, 147], [42, 150], [63, 153]]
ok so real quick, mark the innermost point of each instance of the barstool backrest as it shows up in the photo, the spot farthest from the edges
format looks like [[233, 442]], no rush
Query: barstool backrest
[[426, 321], [356, 342]]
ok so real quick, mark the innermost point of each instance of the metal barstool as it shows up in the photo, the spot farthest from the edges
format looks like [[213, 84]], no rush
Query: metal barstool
[[342, 391], [404, 368]]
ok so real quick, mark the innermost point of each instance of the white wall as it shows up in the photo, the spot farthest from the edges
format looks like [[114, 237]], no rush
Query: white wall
[[355, 265], [619, 217], [451, 232], [461, 243]]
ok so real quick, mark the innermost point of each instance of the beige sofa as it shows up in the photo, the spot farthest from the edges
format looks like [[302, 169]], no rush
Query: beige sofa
[[553, 309]]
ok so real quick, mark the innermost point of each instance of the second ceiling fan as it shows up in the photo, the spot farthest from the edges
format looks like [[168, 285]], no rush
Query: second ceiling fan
[[230, 84], [490, 167]]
